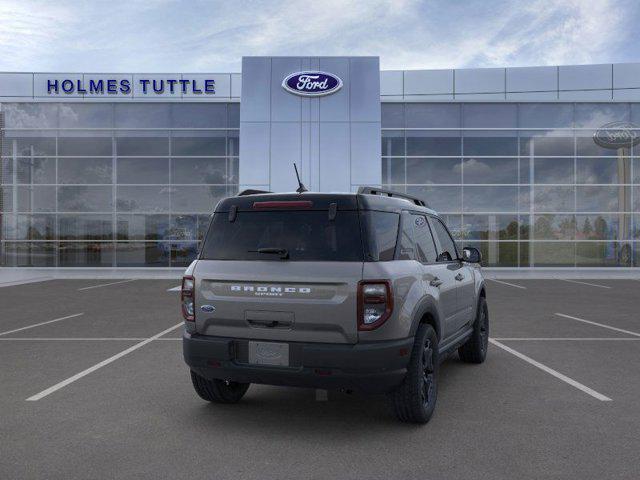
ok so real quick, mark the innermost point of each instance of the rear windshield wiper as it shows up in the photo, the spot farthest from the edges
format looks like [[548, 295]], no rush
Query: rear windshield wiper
[[283, 252]]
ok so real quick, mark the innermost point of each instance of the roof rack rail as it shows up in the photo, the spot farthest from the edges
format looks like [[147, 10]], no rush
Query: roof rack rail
[[391, 193], [251, 191]]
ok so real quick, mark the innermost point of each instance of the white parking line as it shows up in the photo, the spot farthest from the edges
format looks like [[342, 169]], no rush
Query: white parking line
[[97, 366], [507, 283], [629, 332], [584, 283], [41, 323], [551, 371], [106, 284], [97, 339], [175, 289], [550, 339]]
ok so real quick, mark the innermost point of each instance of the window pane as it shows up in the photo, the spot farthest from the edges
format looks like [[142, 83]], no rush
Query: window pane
[[133, 170], [233, 143], [196, 199], [183, 253], [93, 146], [442, 199], [36, 170], [491, 144], [434, 170], [604, 227], [36, 227], [603, 170], [490, 170], [200, 170], [6, 199], [85, 170], [554, 227], [138, 254], [488, 115], [381, 233], [233, 114], [40, 254], [6, 170], [435, 143], [545, 115], [553, 170], [598, 114], [211, 145], [585, 145], [553, 254], [392, 115], [393, 171], [142, 146], [36, 199], [142, 115], [603, 254], [546, 144], [447, 249], [497, 254], [490, 199], [432, 115], [85, 199], [143, 199], [407, 250], [30, 115], [80, 254], [29, 146], [426, 248], [199, 115], [93, 115], [392, 143], [85, 227], [554, 199], [490, 227], [142, 227], [183, 227], [603, 199]]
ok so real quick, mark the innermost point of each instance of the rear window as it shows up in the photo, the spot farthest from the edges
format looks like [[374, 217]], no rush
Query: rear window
[[305, 235]]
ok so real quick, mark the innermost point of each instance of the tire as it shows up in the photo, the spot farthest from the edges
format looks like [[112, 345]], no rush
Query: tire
[[414, 401], [475, 349], [218, 391]]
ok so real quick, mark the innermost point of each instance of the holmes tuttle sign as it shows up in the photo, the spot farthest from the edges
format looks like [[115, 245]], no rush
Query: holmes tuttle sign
[[312, 83]]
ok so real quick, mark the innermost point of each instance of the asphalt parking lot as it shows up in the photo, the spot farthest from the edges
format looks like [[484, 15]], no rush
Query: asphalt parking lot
[[93, 385]]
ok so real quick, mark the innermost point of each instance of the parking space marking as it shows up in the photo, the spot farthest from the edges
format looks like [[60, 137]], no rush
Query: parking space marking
[[97, 366], [175, 289], [584, 283], [15, 283], [629, 332], [107, 284], [41, 323], [507, 283], [551, 371], [570, 339], [85, 339]]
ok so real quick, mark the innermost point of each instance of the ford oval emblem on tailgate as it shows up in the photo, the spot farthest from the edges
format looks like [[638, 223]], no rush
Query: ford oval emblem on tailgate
[[207, 308]]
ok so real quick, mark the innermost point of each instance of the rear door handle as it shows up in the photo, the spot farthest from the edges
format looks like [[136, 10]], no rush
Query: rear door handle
[[436, 282], [459, 277]]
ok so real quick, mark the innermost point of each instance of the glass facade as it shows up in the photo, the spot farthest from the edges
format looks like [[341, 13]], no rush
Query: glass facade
[[524, 182], [118, 184], [113, 184]]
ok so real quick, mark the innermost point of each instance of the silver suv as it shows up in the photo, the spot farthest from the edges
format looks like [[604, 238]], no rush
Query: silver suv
[[357, 292]]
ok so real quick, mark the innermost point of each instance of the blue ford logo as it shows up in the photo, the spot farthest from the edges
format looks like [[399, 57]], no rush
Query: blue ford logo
[[207, 308], [312, 84], [617, 135]]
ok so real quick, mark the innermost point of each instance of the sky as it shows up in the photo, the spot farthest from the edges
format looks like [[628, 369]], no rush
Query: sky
[[212, 36]]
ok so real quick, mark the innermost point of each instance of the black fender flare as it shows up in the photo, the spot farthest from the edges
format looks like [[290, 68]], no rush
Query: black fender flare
[[427, 305]]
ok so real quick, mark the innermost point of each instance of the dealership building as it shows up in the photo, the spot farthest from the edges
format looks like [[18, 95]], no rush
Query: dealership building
[[535, 166]]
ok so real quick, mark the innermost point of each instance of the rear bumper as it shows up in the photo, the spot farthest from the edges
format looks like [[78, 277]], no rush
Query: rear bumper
[[374, 367]]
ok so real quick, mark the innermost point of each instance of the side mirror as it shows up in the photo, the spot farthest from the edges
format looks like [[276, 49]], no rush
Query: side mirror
[[471, 255]]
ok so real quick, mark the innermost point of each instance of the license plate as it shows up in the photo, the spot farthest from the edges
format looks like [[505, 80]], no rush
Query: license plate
[[269, 353]]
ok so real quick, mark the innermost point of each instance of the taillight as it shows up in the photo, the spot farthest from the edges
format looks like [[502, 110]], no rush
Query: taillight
[[187, 298], [375, 303]]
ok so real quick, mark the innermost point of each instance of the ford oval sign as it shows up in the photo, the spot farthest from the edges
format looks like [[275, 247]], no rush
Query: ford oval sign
[[617, 135], [312, 83]]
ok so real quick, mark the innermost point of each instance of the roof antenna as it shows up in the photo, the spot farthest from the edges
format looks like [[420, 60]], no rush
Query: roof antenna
[[301, 188]]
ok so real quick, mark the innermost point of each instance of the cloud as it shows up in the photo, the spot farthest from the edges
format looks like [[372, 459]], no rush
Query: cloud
[[172, 36]]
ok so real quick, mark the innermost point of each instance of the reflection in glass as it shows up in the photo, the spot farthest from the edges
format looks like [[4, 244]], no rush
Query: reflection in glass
[[89, 115], [199, 115], [546, 144], [490, 170], [603, 254], [35, 227], [603, 170], [434, 115], [433, 143], [434, 170], [393, 170], [142, 227], [196, 199], [553, 254], [37, 254], [85, 227], [554, 199], [85, 170], [545, 115], [142, 198], [30, 115], [603, 198], [29, 146], [553, 170], [35, 170], [37, 198], [205, 146], [85, 199], [142, 115], [393, 115], [392, 143], [496, 254], [94, 146], [140, 254], [602, 226], [199, 170], [81, 254], [441, 199], [490, 199], [490, 227], [147, 146], [183, 253], [554, 227], [490, 144], [132, 170]]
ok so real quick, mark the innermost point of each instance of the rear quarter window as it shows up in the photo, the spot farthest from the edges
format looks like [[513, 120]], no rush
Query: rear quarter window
[[381, 233]]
